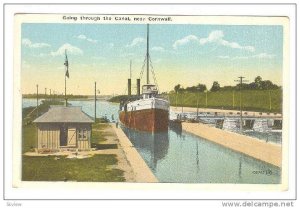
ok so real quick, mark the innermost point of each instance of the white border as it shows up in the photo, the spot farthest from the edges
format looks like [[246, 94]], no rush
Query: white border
[[174, 191]]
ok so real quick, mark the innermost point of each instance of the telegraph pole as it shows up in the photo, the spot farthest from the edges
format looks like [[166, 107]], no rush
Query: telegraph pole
[[37, 100], [233, 100], [182, 100], [198, 93], [270, 100], [240, 80], [95, 99], [206, 98]]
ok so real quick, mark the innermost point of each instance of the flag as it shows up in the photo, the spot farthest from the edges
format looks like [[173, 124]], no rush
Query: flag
[[67, 65]]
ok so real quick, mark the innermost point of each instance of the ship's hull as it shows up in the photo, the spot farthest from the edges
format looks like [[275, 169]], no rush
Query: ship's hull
[[151, 120]]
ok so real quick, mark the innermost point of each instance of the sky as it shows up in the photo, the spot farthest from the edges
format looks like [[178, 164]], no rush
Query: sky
[[180, 54]]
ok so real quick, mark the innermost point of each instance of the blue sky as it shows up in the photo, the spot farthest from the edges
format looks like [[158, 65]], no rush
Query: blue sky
[[184, 54]]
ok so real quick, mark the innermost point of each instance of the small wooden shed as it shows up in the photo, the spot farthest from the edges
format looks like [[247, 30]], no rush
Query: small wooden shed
[[64, 128]]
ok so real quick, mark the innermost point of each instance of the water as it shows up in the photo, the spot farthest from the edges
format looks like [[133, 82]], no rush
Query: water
[[30, 102], [103, 108], [182, 157], [274, 137], [176, 156]]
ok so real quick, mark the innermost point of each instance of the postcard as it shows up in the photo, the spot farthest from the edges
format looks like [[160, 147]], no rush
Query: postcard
[[151, 99]]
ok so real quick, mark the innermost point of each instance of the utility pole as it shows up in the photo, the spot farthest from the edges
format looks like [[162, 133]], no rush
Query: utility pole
[[233, 100], [176, 98], [240, 80], [95, 99], [45, 92], [182, 99], [37, 100], [270, 100], [206, 98], [198, 93]]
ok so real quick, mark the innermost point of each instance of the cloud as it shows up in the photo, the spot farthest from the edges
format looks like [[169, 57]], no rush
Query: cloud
[[70, 50], [83, 37], [224, 57], [264, 56], [111, 45], [259, 56], [158, 48], [185, 41], [26, 42], [136, 42], [42, 55], [216, 37], [127, 55]]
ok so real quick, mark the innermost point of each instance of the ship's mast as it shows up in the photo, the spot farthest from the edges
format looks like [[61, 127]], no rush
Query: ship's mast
[[148, 82]]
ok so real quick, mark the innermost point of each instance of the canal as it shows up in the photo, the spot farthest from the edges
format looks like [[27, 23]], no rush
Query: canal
[[179, 157]]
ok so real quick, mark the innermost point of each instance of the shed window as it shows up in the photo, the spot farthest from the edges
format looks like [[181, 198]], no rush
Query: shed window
[[82, 134]]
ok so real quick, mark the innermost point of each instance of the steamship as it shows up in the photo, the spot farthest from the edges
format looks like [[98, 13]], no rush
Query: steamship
[[148, 111]]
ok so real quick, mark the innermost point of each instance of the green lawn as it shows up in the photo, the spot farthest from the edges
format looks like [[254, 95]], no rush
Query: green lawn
[[96, 168], [29, 137], [256, 100], [98, 136]]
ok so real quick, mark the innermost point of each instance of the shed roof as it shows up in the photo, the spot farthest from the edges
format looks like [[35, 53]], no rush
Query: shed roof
[[61, 114]]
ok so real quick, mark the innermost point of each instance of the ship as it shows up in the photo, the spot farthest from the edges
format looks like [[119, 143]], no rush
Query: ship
[[147, 111]]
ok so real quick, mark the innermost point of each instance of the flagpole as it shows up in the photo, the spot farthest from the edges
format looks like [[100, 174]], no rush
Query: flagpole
[[66, 90], [66, 67]]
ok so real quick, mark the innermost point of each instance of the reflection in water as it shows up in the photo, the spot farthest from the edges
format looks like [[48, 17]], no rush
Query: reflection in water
[[181, 157], [240, 167], [156, 145]]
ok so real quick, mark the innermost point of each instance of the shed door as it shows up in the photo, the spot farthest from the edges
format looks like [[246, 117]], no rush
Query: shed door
[[71, 137]]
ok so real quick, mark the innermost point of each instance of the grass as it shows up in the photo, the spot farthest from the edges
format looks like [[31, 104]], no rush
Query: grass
[[29, 136], [255, 100], [98, 136], [46, 168], [96, 168]]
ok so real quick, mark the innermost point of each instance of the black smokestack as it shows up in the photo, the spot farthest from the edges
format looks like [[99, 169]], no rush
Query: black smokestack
[[138, 86], [129, 87]]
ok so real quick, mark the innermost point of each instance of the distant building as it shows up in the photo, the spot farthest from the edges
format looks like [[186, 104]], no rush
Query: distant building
[[64, 128]]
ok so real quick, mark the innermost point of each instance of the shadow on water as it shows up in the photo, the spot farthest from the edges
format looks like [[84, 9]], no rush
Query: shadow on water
[[155, 146]]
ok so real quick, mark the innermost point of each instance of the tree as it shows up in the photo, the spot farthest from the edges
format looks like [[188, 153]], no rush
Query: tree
[[215, 87], [176, 88], [201, 87], [257, 82], [268, 85]]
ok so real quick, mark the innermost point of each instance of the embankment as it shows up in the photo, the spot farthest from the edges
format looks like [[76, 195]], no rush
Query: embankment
[[267, 152], [142, 172]]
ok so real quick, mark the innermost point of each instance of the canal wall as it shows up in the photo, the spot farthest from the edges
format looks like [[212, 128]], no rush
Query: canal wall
[[142, 172], [267, 152], [225, 112]]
